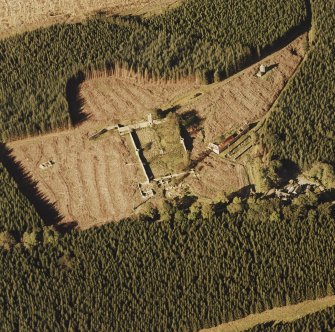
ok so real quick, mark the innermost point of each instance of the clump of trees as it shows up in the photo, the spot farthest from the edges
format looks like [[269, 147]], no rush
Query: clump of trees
[[323, 174], [211, 39]]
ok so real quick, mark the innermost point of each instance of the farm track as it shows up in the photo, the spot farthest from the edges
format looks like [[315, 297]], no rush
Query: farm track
[[287, 313]]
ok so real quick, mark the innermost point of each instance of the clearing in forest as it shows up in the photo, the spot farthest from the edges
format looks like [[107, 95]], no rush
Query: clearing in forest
[[288, 313], [96, 181], [93, 182], [17, 16], [224, 107]]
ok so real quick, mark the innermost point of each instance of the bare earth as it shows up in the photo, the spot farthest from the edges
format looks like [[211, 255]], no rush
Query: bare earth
[[215, 177], [243, 97], [90, 182], [288, 313], [94, 182], [126, 100], [17, 16]]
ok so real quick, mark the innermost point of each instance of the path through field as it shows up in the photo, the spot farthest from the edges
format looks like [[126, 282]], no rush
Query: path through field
[[17, 16], [285, 314]]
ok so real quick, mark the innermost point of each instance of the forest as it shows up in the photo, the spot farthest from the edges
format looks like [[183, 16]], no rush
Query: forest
[[253, 256], [200, 267], [323, 320], [17, 214], [302, 127], [209, 39]]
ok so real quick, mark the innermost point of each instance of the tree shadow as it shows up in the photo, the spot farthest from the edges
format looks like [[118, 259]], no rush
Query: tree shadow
[[29, 188], [194, 163], [191, 119], [188, 140], [273, 66], [164, 113], [74, 99], [244, 192], [288, 171], [190, 123]]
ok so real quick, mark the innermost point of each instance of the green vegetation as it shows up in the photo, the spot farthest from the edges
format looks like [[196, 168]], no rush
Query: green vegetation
[[323, 320], [322, 173], [181, 275], [41, 70], [301, 128], [167, 153]]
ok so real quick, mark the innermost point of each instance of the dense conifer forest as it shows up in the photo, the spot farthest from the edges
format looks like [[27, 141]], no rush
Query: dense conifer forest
[[302, 127], [323, 320], [181, 275], [17, 214], [203, 38], [191, 271]]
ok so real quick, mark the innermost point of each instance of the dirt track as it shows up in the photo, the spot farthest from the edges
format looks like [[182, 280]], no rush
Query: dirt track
[[286, 314], [17, 16]]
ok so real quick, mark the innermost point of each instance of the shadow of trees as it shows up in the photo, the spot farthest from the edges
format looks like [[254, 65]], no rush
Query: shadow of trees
[[141, 155], [29, 188], [74, 99], [190, 123]]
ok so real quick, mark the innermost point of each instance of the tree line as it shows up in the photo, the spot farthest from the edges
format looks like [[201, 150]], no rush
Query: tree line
[[209, 39], [301, 128], [17, 214]]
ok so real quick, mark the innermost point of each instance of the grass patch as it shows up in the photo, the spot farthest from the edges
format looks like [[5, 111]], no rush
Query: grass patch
[[162, 147]]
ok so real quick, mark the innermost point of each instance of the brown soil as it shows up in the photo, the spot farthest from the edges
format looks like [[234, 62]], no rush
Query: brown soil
[[92, 182], [17, 16], [288, 313], [114, 100], [243, 97], [216, 177]]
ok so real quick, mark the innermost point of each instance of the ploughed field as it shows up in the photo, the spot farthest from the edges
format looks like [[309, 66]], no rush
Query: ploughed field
[[96, 181], [90, 182], [244, 97], [18, 16], [126, 99]]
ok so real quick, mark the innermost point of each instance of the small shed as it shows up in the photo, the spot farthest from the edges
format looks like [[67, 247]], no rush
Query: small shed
[[262, 70], [219, 148]]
